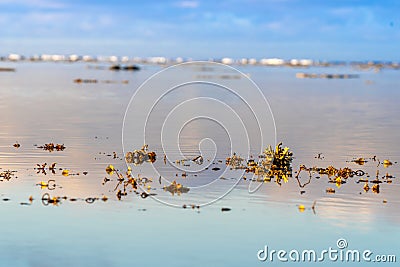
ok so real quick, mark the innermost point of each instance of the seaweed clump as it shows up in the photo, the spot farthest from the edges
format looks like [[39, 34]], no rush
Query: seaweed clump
[[279, 163], [51, 147], [138, 157], [271, 164]]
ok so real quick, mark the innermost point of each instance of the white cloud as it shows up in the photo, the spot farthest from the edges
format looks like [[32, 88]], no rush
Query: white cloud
[[188, 4], [226, 20], [342, 11], [46, 18], [35, 3], [274, 25]]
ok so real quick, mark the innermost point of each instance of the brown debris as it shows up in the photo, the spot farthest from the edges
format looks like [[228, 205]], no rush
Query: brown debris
[[359, 161], [7, 175], [330, 190], [51, 147], [176, 188], [138, 157]]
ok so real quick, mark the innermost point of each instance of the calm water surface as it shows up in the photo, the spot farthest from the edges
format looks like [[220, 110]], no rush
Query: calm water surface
[[342, 119]]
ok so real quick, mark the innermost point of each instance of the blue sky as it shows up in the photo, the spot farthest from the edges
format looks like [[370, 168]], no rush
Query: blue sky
[[345, 30]]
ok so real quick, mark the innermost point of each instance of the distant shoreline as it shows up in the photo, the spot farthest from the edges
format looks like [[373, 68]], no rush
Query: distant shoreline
[[267, 62]]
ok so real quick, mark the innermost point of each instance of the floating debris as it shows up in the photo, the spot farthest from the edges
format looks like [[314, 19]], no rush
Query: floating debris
[[235, 162], [56, 200], [144, 195], [138, 157], [176, 188], [375, 188], [47, 199], [388, 176], [7, 69], [110, 170], [225, 209], [366, 187], [330, 190], [53, 166], [51, 147], [91, 200], [272, 164], [302, 75], [41, 168], [16, 145], [129, 67], [127, 182], [105, 180], [186, 162], [7, 175], [387, 163], [276, 163], [50, 184], [252, 166], [80, 80], [313, 206], [199, 160], [120, 194], [359, 161], [301, 208]]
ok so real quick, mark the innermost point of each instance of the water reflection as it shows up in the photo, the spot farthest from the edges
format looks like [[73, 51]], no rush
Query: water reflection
[[339, 128], [345, 120]]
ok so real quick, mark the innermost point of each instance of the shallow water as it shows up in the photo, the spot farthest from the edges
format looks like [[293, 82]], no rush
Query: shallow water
[[342, 119]]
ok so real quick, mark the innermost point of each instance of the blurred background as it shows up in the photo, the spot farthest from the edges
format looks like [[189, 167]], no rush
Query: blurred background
[[320, 30]]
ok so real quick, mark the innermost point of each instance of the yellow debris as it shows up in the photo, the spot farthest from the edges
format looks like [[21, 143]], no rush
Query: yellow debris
[[387, 163], [110, 169], [43, 184]]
